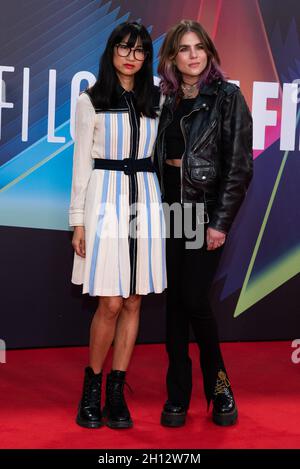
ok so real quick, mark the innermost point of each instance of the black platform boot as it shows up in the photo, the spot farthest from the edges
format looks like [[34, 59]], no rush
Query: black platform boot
[[89, 410], [224, 407], [173, 415], [116, 412]]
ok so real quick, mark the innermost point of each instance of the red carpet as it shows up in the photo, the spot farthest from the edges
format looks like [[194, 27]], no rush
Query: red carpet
[[39, 392]]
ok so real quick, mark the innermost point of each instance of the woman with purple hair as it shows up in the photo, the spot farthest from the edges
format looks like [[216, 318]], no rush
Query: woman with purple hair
[[203, 157]]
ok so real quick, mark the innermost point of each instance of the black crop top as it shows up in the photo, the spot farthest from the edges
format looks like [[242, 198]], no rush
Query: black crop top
[[173, 136]]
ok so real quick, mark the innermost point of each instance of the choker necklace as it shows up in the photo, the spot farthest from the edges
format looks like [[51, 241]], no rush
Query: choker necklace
[[189, 91]]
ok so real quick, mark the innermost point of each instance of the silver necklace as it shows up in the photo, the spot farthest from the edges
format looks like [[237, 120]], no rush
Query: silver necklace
[[189, 91]]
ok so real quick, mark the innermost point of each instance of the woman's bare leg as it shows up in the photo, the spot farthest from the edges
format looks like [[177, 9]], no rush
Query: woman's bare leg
[[103, 329], [126, 332]]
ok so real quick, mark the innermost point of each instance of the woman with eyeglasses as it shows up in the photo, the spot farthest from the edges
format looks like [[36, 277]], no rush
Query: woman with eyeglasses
[[203, 156], [116, 213]]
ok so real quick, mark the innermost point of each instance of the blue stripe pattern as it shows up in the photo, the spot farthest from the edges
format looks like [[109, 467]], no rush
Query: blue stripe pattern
[[148, 203], [107, 135], [148, 133], [98, 233], [162, 234], [120, 136], [118, 195]]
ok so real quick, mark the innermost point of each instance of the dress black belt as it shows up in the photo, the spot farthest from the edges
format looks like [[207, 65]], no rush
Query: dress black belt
[[128, 165]]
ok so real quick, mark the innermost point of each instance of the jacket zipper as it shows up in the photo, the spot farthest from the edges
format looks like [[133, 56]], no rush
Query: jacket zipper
[[205, 135], [183, 133]]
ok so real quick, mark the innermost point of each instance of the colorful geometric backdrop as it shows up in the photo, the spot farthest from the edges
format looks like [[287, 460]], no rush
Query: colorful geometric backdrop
[[48, 51]]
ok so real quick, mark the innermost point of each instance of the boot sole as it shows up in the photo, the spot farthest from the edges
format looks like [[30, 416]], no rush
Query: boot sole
[[115, 425], [225, 420], [119, 425], [171, 420], [87, 424]]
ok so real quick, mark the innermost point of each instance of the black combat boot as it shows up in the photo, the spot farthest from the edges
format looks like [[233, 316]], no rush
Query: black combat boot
[[173, 415], [224, 407], [116, 412], [89, 410]]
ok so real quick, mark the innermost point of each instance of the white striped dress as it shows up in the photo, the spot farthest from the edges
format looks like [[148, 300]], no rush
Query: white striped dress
[[125, 252]]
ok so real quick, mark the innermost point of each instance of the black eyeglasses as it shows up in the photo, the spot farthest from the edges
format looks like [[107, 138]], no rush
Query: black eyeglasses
[[124, 50]]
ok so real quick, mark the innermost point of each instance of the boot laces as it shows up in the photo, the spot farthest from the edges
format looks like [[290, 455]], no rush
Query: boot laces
[[92, 393], [223, 383], [117, 395]]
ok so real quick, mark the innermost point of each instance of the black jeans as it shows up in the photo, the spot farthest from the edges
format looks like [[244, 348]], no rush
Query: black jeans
[[190, 273]]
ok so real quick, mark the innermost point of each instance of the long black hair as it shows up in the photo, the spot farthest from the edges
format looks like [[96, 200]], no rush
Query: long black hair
[[103, 93]]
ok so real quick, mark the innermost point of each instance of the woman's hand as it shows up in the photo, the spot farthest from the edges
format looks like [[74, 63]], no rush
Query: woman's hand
[[214, 239], [78, 241]]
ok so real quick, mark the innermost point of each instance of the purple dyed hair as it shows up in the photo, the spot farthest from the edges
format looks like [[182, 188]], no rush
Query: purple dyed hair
[[168, 72]]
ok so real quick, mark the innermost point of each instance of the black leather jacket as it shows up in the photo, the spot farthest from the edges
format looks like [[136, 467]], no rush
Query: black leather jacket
[[217, 162]]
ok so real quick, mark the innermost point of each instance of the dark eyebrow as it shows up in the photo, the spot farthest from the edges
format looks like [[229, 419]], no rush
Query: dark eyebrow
[[188, 45], [137, 47]]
